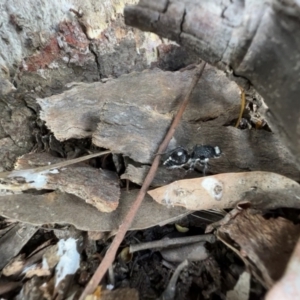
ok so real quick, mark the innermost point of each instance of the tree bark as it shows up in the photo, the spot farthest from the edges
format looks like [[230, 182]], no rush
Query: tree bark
[[253, 39], [45, 46]]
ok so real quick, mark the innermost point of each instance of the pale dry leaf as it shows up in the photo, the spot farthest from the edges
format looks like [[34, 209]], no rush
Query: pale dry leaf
[[263, 189]]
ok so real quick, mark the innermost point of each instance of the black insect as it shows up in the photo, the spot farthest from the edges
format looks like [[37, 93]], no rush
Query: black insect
[[200, 156], [177, 159]]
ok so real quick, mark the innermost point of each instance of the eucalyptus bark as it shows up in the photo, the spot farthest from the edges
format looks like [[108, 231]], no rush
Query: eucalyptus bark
[[256, 41]]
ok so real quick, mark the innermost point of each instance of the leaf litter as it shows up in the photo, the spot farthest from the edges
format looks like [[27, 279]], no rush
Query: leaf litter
[[48, 203]]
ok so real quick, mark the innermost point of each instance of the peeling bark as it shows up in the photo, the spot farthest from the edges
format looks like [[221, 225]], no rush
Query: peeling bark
[[258, 40], [76, 112], [132, 121], [99, 188], [16, 122], [241, 151], [45, 46]]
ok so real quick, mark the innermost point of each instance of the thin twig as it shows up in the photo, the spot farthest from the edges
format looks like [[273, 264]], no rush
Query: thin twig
[[111, 252], [243, 104], [111, 275], [169, 293], [61, 164], [172, 242]]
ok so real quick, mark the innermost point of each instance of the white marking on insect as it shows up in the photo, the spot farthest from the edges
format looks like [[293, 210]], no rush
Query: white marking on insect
[[217, 150], [167, 160]]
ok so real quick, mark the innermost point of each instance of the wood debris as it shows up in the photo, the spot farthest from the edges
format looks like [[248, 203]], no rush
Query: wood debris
[[76, 112], [14, 240], [145, 112], [99, 188], [261, 243]]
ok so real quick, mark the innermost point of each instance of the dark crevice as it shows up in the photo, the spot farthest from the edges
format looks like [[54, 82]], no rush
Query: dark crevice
[[202, 120], [166, 7], [14, 83], [181, 25], [223, 12], [232, 123], [153, 24], [91, 48]]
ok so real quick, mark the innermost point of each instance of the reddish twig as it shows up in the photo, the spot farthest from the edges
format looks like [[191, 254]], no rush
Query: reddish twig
[[111, 252]]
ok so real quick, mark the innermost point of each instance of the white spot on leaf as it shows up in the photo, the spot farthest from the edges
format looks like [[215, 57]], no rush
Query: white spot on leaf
[[213, 187]]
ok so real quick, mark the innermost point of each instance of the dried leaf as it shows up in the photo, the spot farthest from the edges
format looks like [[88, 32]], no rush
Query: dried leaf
[[62, 208], [262, 189], [29, 265], [37, 270], [34, 288]]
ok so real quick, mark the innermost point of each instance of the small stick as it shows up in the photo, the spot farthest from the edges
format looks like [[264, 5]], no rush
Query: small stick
[[111, 275], [111, 252], [169, 293], [171, 242], [62, 164], [243, 104]]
